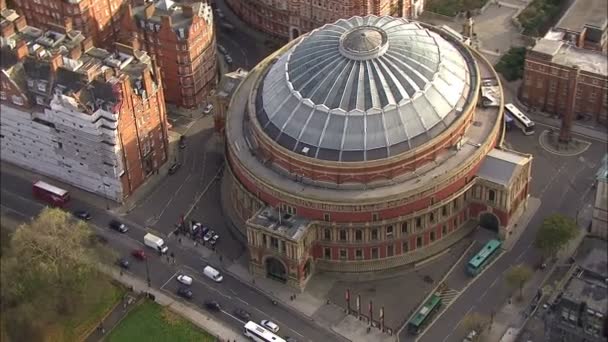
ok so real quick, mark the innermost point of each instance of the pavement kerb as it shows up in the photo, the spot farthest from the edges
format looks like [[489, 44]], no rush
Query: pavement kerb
[[459, 293], [434, 290]]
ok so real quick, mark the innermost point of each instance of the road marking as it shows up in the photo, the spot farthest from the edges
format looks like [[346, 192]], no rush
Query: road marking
[[203, 193], [171, 278], [241, 300], [488, 288], [457, 324], [15, 211], [575, 133], [236, 318]]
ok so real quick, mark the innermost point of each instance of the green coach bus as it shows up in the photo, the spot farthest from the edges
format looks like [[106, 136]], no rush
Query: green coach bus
[[483, 257], [422, 317]]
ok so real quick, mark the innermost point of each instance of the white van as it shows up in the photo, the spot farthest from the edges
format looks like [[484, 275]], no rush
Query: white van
[[213, 274], [155, 242]]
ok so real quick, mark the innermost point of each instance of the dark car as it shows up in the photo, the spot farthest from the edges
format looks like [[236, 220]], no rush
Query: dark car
[[83, 215], [123, 263], [118, 226], [242, 314], [290, 339], [174, 167], [184, 292], [212, 305], [182, 142], [139, 254]]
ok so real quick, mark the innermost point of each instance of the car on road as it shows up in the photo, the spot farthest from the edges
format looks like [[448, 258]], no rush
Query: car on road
[[220, 14], [228, 59], [184, 292], [290, 339], [213, 305], [118, 226], [184, 279], [242, 314], [83, 215], [123, 263], [270, 325], [174, 167], [182, 142], [222, 49], [472, 336], [213, 274], [211, 235], [208, 109], [139, 254]]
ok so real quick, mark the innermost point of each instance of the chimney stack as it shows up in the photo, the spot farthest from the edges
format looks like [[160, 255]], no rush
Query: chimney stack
[[56, 61], [565, 133], [21, 50], [86, 44], [20, 23]]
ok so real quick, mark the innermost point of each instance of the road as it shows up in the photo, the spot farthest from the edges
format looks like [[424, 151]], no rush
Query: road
[[231, 293], [564, 186]]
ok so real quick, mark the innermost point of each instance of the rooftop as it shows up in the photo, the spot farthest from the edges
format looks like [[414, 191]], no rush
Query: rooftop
[[593, 294], [229, 82], [179, 13], [596, 262], [584, 13], [365, 88], [499, 166], [475, 136], [568, 55], [281, 223]]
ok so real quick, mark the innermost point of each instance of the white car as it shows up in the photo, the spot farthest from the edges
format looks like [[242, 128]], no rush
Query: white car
[[270, 326], [228, 59], [184, 279], [208, 109], [222, 49]]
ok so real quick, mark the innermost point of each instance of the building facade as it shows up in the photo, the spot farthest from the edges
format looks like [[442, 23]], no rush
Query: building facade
[[599, 223], [559, 77], [288, 19], [99, 20], [86, 116], [182, 38], [346, 156]]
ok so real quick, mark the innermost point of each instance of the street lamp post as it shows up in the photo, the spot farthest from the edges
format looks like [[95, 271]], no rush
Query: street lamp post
[[148, 273]]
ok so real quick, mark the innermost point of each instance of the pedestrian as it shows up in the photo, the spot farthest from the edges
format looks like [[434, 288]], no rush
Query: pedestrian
[[179, 241], [194, 243], [221, 258]]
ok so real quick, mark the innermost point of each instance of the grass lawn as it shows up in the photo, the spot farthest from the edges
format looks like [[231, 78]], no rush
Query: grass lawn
[[452, 7], [104, 296], [151, 322]]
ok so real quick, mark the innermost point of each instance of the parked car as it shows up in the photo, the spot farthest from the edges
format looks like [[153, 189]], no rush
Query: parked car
[[83, 215], [213, 274], [228, 59], [139, 254], [270, 326], [184, 292], [213, 305], [174, 167], [220, 14], [184, 279], [222, 49], [123, 263], [118, 226], [290, 339], [182, 142], [208, 109], [208, 235], [242, 314]]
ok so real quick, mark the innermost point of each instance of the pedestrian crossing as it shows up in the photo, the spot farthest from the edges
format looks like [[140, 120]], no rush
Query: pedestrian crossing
[[448, 295]]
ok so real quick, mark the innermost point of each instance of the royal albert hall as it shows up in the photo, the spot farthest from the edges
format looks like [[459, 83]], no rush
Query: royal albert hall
[[361, 147]]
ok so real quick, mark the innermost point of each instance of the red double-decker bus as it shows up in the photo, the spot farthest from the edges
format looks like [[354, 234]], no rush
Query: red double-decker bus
[[50, 194]]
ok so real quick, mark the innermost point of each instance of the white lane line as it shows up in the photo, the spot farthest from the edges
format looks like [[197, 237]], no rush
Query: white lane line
[[302, 336], [24, 198], [239, 299], [15, 211], [457, 324], [488, 288], [236, 318], [171, 278]]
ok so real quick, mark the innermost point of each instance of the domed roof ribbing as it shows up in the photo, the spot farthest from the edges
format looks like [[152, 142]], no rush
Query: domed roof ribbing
[[363, 89]]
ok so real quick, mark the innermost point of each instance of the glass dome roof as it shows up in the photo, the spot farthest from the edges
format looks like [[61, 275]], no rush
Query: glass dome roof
[[363, 89]]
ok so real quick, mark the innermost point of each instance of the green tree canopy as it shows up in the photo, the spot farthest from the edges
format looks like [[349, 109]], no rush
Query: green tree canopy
[[556, 231], [517, 276]]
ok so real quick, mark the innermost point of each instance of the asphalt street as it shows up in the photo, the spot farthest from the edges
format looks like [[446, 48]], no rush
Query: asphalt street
[[231, 293], [564, 186]]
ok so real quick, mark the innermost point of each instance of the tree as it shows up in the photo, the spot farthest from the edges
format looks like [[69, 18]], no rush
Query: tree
[[517, 276], [556, 231], [45, 271], [475, 321]]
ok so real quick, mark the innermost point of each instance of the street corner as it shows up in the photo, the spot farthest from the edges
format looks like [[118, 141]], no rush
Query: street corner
[[180, 124]]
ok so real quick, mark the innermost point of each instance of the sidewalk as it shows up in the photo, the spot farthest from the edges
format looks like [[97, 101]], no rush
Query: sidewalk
[[114, 317], [200, 319], [511, 318]]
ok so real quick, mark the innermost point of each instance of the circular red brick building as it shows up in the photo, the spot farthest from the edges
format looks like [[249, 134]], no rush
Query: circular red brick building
[[360, 147]]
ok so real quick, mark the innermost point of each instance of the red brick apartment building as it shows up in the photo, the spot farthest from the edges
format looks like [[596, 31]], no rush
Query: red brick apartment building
[[84, 115], [291, 18], [98, 19], [182, 38], [567, 68]]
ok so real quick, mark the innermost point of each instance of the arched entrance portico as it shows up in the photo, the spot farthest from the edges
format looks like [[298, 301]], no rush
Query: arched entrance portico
[[489, 221], [275, 269], [295, 33]]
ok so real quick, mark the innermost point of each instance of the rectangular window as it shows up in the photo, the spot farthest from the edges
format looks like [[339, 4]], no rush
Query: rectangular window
[[326, 217], [419, 242], [418, 222], [444, 211], [432, 236], [405, 247], [359, 254], [343, 254], [404, 228], [374, 253], [432, 217], [389, 232], [444, 230], [327, 253], [343, 235], [375, 234], [358, 235], [375, 217], [326, 234], [274, 243], [390, 250]]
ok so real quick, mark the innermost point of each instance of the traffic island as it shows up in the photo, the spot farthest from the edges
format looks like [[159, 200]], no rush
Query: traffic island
[[549, 140]]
